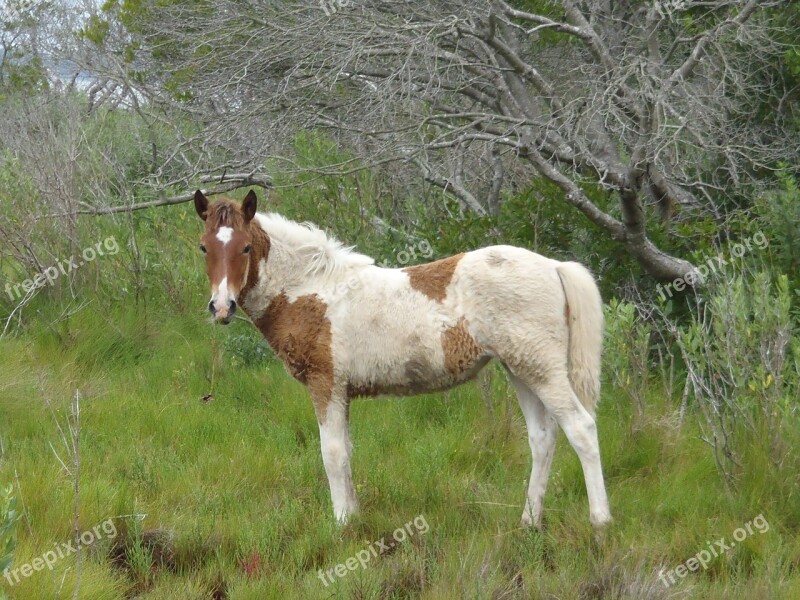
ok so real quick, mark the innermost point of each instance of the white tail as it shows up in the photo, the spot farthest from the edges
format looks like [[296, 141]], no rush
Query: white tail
[[585, 319]]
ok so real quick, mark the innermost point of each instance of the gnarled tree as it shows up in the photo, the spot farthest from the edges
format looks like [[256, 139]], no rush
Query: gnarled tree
[[653, 102]]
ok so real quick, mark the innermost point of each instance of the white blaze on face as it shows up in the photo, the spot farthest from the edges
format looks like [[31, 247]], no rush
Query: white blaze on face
[[224, 235], [222, 291], [222, 297]]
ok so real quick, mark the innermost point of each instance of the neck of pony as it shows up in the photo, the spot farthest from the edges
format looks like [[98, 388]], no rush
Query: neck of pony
[[299, 260]]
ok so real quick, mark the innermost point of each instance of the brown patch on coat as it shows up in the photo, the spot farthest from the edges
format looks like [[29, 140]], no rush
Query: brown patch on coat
[[300, 334], [462, 354], [259, 241], [433, 278]]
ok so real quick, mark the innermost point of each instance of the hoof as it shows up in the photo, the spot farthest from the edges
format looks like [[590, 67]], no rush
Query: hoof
[[526, 522]]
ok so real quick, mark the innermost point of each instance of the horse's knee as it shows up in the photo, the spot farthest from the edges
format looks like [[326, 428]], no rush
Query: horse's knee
[[334, 452]]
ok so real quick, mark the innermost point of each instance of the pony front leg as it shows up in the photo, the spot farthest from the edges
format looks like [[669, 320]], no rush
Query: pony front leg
[[334, 437]]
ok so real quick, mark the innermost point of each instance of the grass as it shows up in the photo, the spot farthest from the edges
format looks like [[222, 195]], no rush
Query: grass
[[236, 499]]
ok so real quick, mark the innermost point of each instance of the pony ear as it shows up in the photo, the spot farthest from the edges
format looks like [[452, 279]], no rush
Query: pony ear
[[201, 204], [249, 206]]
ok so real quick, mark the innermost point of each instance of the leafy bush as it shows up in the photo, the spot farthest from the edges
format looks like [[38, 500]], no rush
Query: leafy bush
[[627, 346], [779, 217], [742, 357]]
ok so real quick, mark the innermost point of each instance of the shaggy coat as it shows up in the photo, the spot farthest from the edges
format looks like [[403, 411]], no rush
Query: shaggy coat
[[345, 327]]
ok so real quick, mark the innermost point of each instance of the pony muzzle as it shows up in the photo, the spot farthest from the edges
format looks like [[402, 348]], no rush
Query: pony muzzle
[[221, 311]]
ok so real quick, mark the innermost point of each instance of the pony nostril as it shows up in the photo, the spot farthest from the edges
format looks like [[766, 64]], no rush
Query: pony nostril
[[232, 308], [211, 308]]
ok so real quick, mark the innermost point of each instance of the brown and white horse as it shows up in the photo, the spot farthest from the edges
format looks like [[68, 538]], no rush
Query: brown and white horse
[[345, 327]]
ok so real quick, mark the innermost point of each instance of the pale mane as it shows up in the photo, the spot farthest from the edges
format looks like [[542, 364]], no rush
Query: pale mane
[[323, 255]]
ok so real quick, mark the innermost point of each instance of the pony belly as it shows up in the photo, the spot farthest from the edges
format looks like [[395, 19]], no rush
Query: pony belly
[[410, 387], [447, 362], [413, 373]]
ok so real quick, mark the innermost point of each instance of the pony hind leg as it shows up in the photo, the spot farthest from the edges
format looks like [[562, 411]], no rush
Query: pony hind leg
[[581, 430], [559, 399], [542, 430]]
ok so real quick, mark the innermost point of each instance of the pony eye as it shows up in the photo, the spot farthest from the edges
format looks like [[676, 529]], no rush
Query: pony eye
[[203, 249], [247, 249]]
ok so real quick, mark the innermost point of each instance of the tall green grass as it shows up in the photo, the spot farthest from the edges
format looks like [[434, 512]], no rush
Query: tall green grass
[[194, 426]]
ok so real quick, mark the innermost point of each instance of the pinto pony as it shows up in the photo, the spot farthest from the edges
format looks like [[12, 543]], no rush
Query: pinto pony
[[345, 327]]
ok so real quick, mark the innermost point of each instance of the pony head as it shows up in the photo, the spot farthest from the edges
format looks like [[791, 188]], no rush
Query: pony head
[[227, 244]]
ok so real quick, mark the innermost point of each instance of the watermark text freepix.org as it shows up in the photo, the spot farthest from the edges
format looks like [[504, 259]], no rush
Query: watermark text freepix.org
[[363, 557], [409, 253], [330, 7], [49, 558], [49, 276], [720, 546], [403, 257], [718, 262]]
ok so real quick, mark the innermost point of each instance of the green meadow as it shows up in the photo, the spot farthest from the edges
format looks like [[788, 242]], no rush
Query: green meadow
[[204, 454]]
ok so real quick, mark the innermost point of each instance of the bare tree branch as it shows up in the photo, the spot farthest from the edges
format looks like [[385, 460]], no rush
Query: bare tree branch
[[634, 99]]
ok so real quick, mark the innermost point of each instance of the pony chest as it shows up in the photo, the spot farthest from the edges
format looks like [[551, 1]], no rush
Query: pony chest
[[300, 334]]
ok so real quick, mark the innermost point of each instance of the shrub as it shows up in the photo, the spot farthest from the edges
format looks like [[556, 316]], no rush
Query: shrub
[[625, 354], [742, 356]]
